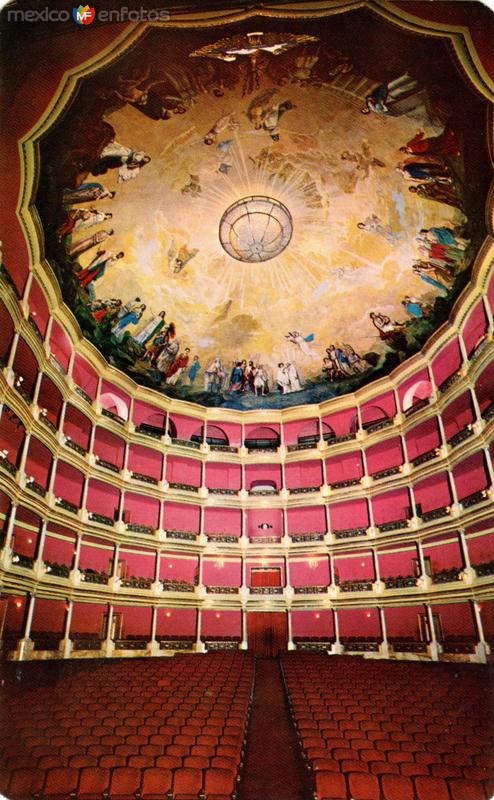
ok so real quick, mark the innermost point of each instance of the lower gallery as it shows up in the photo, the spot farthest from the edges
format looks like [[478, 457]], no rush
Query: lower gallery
[[247, 402]]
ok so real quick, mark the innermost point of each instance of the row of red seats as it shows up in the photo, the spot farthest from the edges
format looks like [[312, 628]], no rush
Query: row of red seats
[[379, 719], [121, 783], [362, 786]]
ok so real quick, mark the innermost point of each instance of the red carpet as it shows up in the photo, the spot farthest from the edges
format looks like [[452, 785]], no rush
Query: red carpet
[[274, 769]]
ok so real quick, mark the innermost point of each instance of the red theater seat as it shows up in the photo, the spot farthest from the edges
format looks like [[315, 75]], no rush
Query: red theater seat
[[60, 782], [125, 782], [24, 783], [218, 784], [466, 790], [363, 786], [187, 783], [397, 787], [431, 788], [156, 783], [94, 781], [330, 786]]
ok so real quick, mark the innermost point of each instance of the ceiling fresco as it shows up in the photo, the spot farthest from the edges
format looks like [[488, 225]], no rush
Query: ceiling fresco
[[269, 213]]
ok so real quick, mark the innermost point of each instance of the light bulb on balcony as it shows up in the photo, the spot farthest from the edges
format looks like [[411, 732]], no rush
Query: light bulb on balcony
[[15, 559], [217, 615], [18, 603], [368, 615], [47, 569], [362, 563], [29, 541], [33, 313], [168, 614], [317, 616], [448, 509], [484, 493], [68, 439], [44, 412]]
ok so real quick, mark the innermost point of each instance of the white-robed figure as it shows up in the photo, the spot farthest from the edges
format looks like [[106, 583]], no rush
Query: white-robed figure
[[129, 162], [293, 377], [303, 342], [282, 379], [151, 329]]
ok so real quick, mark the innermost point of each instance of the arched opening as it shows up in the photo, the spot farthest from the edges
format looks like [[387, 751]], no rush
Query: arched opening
[[262, 438], [309, 434], [111, 402], [214, 435], [421, 390]]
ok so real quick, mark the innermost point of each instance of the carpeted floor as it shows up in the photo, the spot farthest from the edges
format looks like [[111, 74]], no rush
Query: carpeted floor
[[274, 769]]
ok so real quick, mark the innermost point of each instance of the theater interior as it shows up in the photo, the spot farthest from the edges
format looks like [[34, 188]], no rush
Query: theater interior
[[247, 402]]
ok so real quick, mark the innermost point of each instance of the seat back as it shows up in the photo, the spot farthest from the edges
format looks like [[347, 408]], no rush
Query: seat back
[[61, 780], [330, 784], [187, 780], [219, 781], [93, 780]]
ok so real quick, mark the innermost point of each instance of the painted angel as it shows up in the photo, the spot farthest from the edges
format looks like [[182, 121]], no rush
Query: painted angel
[[302, 342]]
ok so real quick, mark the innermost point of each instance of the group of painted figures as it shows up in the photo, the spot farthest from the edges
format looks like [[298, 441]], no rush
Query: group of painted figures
[[153, 346]]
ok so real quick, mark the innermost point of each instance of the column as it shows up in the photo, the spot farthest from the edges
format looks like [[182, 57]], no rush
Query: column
[[375, 563], [328, 535], [109, 626], [13, 351], [27, 289], [157, 565], [243, 536], [371, 514], [153, 644], [442, 432], [432, 381], [331, 570], [24, 452], [9, 531], [324, 472], [98, 394], [482, 649], [488, 461], [38, 558], [121, 503], [290, 644], [243, 567], [337, 646], [452, 486], [91, 441], [244, 644], [384, 633], [85, 490], [37, 387], [283, 475], [24, 644], [320, 428], [287, 572], [116, 555], [359, 419], [242, 477], [366, 475], [77, 553], [420, 554], [167, 423], [49, 327], [201, 520], [126, 457], [285, 526], [205, 431], [463, 351], [468, 574], [53, 475], [199, 643], [475, 404], [66, 644], [70, 367], [200, 564], [61, 419], [433, 646]]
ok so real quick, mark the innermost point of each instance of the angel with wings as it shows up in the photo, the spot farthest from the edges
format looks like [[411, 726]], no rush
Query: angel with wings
[[302, 342], [178, 258]]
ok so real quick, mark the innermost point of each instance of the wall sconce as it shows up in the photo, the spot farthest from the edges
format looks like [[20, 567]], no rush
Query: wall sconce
[[168, 614], [220, 563], [317, 616], [217, 615], [29, 541], [15, 559], [264, 526], [368, 615], [19, 380], [18, 604], [362, 563], [30, 480], [170, 566], [313, 563]]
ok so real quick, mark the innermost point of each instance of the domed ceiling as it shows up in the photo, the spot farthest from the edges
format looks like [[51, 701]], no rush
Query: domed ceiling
[[269, 213]]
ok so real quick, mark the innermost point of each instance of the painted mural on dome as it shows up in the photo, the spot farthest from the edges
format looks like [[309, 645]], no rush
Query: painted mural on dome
[[268, 214]]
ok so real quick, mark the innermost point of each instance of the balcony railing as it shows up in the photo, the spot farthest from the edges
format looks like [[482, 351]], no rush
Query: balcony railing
[[356, 586], [385, 473], [223, 448], [19, 560], [416, 407], [177, 644], [135, 527], [424, 457], [305, 490], [186, 536], [36, 487], [485, 568], [447, 575], [8, 466], [131, 644], [101, 518], [395, 525], [461, 436], [345, 484], [136, 583], [111, 415], [57, 570], [474, 499], [488, 412], [101, 462], [93, 576], [408, 646], [219, 490], [266, 590], [170, 585], [139, 476], [49, 424], [222, 537], [401, 582], [183, 487], [310, 589], [87, 399], [445, 385], [307, 537], [70, 507], [264, 539], [436, 513], [147, 430], [350, 533], [222, 589], [360, 647], [86, 644], [372, 427], [75, 446], [187, 443]]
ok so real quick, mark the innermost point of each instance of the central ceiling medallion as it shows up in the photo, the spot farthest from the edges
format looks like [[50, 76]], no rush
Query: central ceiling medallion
[[255, 229]]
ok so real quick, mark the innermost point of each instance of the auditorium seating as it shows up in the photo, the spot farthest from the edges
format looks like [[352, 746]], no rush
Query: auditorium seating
[[174, 725], [372, 729]]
